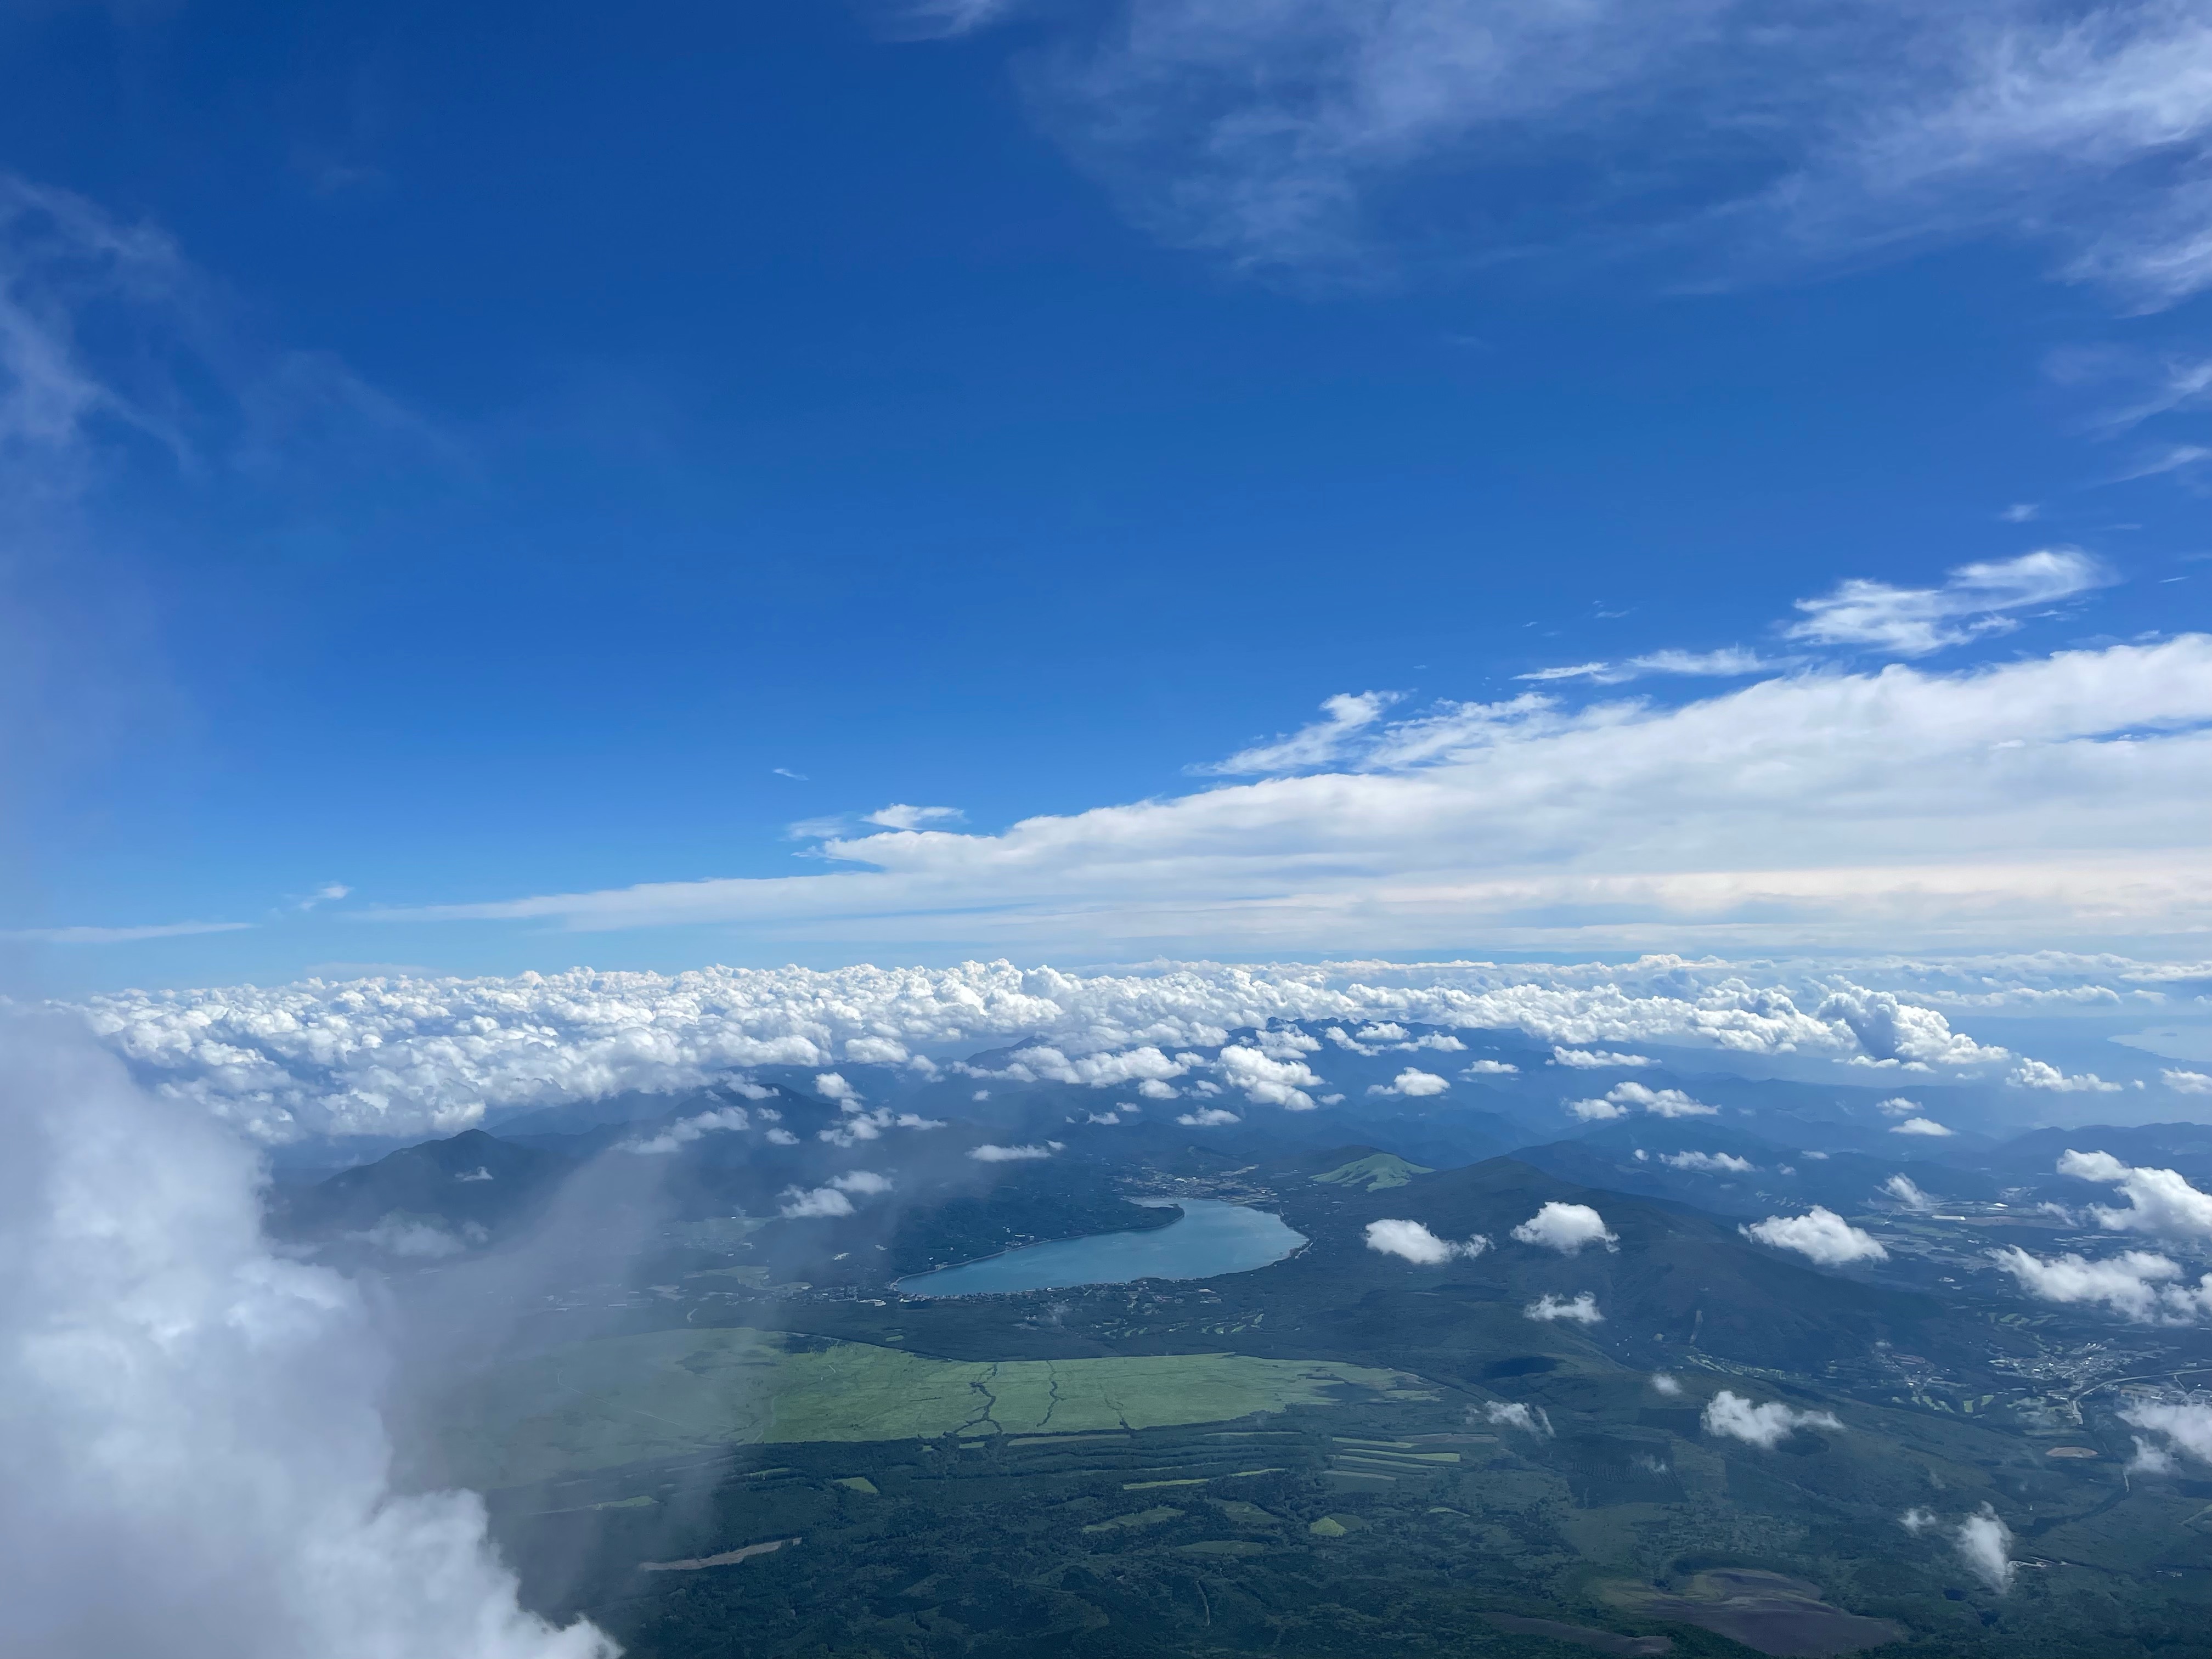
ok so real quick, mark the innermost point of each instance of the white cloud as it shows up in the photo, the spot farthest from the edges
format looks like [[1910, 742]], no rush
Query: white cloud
[[1821, 1234], [418, 1240], [161, 1366], [1042, 1063], [1346, 715], [1895, 1033], [1415, 1243], [781, 1138], [1986, 1545], [1902, 1188], [1711, 1162], [1729, 1414], [899, 816], [1896, 1106], [831, 1085], [1976, 600], [988, 1153], [1506, 1067], [1582, 1311], [1922, 1126], [2138, 1285], [830, 1198], [1412, 1083], [1660, 1103], [1597, 1111], [1732, 663], [2187, 1424], [882, 1051], [1327, 137], [1513, 1414], [121, 935], [1622, 1098], [686, 1130], [1916, 1521], [1592, 1058], [2150, 1458], [2037, 1074], [1208, 1117], [2050, 798], [1566, 1228], [2160, 1202], [1267, 1081], [396, 1055], [2186, 1083], [1666, 1384]]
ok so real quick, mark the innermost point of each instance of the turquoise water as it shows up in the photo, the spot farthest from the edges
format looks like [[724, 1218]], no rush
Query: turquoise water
[[1212, 1238]]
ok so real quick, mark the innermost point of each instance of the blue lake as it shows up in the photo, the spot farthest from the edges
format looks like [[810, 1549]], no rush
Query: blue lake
[[1210, 1237]]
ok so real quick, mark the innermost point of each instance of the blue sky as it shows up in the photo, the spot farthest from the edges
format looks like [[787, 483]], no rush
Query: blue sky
[[465, 459]]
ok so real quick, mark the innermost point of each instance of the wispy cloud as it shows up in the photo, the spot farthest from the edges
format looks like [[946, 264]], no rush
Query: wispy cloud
[[1733, 662], [122, 935], [1345, 716], [1319, 135], [1976, 600], [899, 816], [2047, 799]]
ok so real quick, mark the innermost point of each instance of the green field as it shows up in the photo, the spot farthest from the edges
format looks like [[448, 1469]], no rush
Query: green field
[[1375, 1173], [624, 1400]]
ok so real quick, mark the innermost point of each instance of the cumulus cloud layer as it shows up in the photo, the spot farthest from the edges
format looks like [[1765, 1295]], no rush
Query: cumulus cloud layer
[[1415, 1243], [1731, 1416], [195, 1465], [399, 1056], [1566, 1228], [2049, 799], [1821, 1234]]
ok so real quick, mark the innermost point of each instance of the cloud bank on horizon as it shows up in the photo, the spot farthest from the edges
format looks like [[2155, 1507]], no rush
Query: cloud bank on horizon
[[2052, 800], [400, 1056]]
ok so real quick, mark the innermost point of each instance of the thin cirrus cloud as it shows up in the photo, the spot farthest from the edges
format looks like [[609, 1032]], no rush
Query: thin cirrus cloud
[[122, 935], [1975, 601], [1733, 662], [2052, 800], [1333, 136]]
